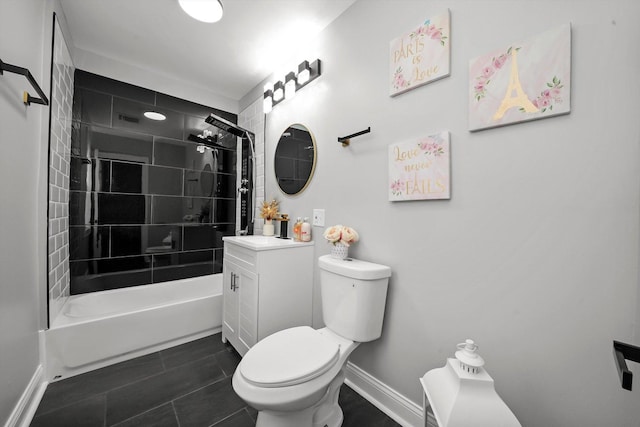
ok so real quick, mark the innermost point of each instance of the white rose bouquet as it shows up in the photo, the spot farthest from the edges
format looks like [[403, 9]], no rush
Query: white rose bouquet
[[341, 234]]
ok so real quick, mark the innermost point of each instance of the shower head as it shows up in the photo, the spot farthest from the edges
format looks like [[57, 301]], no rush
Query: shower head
[[226, 125]]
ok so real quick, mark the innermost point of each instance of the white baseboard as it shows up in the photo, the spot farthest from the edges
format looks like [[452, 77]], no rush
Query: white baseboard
[[395, 405], [26, 407]]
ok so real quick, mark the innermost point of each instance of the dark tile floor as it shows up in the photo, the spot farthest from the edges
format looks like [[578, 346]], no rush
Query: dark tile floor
[[184, 386]]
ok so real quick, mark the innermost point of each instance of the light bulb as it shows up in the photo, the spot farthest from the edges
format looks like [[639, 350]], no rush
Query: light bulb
[[290, 86], [267, 103], [278, 92], [303, 72]]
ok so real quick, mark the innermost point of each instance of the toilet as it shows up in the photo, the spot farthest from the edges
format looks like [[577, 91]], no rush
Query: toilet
[[293, 377]]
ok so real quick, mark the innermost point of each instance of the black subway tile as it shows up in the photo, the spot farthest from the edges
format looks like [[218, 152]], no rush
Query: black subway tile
[[127, 177], [181, 210], [172, 152], [218, 256], [100, 142], [114, 87], [105, 274], [201, 237], [83, 208], [199, 183], [164, 181], [224, 210], [145, 239], [167, 274], [192, 108], [225, 186], [89, 174], [123, 209], [92, 107], [88, 242]]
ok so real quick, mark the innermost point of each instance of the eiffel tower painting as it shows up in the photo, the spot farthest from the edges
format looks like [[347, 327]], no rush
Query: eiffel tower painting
[[525, 81]]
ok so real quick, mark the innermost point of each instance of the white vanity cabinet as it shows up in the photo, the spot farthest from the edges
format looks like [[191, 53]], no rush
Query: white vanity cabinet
[[268, 286]]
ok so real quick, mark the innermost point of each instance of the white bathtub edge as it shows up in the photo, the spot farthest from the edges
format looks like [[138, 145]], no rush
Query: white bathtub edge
[[57, 372], [91, 343]]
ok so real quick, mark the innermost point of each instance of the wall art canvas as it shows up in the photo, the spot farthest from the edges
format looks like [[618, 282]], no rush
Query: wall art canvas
[[523, 81], [419, 169], [421, 55]]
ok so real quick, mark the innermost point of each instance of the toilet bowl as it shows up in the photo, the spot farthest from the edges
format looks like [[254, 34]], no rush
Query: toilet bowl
[[293, 377], [289, 377]]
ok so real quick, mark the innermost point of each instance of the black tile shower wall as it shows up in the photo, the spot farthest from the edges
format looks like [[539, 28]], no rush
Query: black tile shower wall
[[145, 205]]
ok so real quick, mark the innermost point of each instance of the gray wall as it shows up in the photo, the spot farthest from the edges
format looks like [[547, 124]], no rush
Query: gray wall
[[23, 168], [536, 254]]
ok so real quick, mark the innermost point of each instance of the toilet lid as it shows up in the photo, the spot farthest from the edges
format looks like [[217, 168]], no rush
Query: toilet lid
[[289, 357]]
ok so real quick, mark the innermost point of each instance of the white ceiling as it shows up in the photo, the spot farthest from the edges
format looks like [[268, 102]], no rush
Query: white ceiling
[[229, 57]]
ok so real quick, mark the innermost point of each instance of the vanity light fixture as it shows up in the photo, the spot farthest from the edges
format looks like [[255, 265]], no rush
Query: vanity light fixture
[[203, 10], [154, 115], [292, 83]]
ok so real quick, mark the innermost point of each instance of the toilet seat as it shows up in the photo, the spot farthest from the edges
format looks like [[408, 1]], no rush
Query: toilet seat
[[289, 357]]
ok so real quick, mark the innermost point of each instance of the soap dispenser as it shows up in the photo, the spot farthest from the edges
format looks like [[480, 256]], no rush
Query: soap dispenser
[[305, 231], [297, 232], [284, 226]]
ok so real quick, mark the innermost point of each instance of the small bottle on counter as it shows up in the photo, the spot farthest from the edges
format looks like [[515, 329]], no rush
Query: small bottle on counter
[[297, 230], [305, 230]]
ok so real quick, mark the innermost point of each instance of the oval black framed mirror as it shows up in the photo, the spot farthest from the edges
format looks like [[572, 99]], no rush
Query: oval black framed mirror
[[295, 159]]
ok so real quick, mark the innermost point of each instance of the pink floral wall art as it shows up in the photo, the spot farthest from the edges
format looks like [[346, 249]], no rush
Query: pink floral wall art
[[421, 55], [419, 169], [522, 81]]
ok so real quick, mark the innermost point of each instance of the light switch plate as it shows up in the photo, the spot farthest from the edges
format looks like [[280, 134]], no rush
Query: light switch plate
[[318, 217]]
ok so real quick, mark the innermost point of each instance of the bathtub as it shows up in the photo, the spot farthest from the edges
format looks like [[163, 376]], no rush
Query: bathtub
[[99, 329]]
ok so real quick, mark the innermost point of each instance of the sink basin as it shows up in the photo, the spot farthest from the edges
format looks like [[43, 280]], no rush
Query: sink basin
[[260, 243]]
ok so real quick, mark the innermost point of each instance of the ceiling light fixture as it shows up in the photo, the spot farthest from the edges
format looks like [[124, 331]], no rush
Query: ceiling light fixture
[[154, 115], [203, 10]]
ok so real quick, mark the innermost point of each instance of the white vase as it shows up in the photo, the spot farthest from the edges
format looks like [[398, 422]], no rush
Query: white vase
[[268, 228], [340, 250]]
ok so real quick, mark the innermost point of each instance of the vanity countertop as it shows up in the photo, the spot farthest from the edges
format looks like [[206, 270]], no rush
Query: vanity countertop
[[264, 243]]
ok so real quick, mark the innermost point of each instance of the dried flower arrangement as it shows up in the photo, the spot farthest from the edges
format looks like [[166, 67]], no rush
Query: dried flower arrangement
[[269, 210]]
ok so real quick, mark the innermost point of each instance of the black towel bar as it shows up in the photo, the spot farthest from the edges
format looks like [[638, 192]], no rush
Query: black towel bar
[[345, 140], [622, 351], [27, 99]]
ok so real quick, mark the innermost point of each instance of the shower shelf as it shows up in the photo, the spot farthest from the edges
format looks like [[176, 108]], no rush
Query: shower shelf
[[213, 141], [26, 98]]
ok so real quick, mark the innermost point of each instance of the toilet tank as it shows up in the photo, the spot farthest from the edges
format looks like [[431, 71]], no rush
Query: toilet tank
[[354, 294]]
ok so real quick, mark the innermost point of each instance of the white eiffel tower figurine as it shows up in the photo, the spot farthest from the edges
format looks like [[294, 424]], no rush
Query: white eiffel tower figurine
[[520, 99]]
